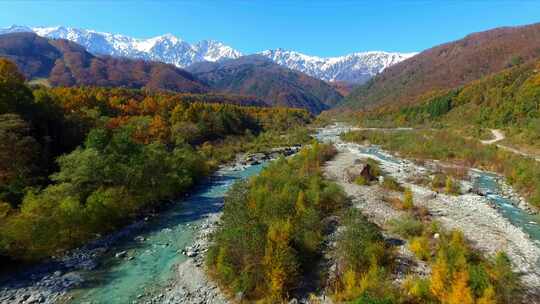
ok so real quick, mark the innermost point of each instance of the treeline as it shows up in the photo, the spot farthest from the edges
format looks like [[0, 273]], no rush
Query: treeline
[[521, 172], [509, 99], [79, 162], [272, 227]]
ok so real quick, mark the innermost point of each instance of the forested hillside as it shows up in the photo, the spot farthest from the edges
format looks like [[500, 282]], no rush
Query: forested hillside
[[509, 100], [260, 77], [450, 65], [77, 162]]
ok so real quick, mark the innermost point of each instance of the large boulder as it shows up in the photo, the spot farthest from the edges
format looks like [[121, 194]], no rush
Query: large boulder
[[358, 169]]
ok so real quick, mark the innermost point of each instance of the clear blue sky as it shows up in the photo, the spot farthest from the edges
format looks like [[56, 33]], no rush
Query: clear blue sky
[[324, 28]]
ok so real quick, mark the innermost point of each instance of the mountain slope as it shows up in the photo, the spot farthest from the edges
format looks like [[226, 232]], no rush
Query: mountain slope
[[450, 65], [353, 68], [258, 76], [65, 63]]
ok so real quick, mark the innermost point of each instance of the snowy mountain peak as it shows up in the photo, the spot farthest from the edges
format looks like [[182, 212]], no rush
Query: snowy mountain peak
[[168, 48]]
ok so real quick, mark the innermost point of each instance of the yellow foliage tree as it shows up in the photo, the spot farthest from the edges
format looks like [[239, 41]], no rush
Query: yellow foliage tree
[[300, 205], [420, 247], [9, 73], [350, 284], [439, 277], [449, 186], [488, 296], [5, 210], [461, 292], [278, 259], [408, 200]]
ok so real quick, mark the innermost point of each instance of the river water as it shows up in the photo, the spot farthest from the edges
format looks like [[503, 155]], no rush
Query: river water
[[149, 263], [530, 224]]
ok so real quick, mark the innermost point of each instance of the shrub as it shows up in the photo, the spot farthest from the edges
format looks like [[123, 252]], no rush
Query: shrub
[[363, 257], [438, 181], [450, 186], [374, 167], [507, 284], [361, 181], [418, 289], [408, 199], [406, 226], [390, 183], [420, 247]]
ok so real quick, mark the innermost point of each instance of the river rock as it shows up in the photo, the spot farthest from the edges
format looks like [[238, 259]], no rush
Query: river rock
[[356, 171], [120, 254]]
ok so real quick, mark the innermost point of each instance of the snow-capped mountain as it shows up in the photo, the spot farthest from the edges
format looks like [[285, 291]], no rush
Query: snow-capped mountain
[[166, 48], [354, 68]]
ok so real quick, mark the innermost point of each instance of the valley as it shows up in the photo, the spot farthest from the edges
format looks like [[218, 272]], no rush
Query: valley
[[161, 170], [146, 262]]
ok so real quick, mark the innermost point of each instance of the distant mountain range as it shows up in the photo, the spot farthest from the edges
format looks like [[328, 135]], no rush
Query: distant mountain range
[[249, 80], [352, 68]]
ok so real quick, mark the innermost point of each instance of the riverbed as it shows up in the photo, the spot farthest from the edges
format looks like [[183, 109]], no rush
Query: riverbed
[[137, 262], [491, 220]]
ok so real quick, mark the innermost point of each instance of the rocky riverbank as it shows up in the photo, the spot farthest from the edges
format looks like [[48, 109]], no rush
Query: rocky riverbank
[[49, 282], [370, 199], [190, 283], [480, 222]]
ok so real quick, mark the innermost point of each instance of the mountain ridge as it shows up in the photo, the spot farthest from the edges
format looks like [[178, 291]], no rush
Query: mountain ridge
[[258, 76], [354, 68], [449, 65]]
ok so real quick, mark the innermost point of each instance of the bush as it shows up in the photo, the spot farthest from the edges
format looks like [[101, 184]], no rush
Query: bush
[[374, 167], [361, 181], [406, 226], [420, 247], [408, 203], [438, 181], [391, 183], [451, 187], [418, 289]]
